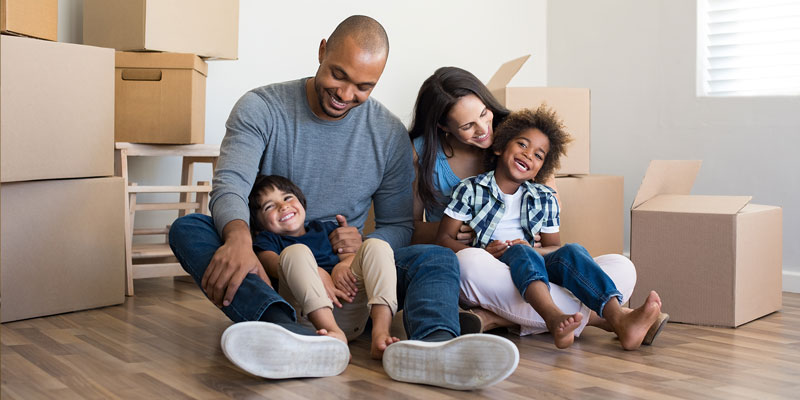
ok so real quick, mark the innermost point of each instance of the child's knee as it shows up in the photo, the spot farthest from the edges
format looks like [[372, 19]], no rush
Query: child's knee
[[295, 253], [377, 245]]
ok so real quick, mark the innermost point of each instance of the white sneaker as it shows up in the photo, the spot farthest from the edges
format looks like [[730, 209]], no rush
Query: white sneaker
[[270, 351], [464, 363]]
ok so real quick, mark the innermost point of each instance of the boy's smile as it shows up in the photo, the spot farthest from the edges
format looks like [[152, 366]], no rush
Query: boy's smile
[[521, 159], [281, 213]]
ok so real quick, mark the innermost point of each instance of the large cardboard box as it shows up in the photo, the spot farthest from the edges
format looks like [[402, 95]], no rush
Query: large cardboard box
[[35, 18], [592, 212], [573, 105], [57, 110], [208, 28], [160, 98], [715, 260], [61, 246]]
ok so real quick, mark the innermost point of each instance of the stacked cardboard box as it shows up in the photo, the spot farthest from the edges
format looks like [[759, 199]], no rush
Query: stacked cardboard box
[[714, 260], [33, 18], [160, 80], [592, 205], [62, 212]]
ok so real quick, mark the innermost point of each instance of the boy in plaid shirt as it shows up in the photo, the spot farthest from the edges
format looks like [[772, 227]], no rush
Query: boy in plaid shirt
[[507, 206]]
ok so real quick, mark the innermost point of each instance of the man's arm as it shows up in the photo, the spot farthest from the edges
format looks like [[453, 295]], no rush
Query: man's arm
[[394, 199]]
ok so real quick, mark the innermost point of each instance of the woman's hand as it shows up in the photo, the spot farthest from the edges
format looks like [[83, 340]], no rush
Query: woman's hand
[[537, 240], [497, 247], [465, 234], [520, 241]]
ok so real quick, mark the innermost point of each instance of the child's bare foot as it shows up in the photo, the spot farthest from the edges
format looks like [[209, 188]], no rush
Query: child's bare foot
[[632, 326], [334, 333], [562, 328], [380, 341]]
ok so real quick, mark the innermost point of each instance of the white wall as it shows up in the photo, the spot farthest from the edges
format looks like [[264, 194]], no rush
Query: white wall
[[638, 58], [278, 41]]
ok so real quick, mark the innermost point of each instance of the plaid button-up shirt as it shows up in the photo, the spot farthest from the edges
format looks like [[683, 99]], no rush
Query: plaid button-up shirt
[[480, 202]]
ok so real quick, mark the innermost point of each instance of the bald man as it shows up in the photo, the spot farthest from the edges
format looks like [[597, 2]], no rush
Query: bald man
[[345, 151]]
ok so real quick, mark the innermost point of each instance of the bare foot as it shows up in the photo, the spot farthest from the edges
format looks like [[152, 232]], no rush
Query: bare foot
[[633, 325], [380, 341], [334, 333], [490, 320], [562, 328]]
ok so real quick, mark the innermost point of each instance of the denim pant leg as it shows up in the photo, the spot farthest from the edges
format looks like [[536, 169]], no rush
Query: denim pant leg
[[526, 265], [572, 267], [194, 240], [427, 289]]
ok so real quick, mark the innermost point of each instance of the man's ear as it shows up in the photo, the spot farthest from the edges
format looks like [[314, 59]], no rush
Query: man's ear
[[322, 48]]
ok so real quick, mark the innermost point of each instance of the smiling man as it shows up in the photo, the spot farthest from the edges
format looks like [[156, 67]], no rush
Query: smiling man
[[345, 151]]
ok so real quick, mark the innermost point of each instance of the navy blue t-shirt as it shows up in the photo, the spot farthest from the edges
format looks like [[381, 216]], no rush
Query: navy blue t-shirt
[[316, 238]]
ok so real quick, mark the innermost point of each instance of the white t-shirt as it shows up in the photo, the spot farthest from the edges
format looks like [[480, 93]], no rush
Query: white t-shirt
[[510, 227]]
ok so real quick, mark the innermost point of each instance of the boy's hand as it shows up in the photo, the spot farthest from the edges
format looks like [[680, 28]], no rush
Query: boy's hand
[[345, 239], [344, 279], [333, 293], [496, 248], [465, 234]]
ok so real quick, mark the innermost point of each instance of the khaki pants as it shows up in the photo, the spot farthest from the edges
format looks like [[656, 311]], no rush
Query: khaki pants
[[376, 276]]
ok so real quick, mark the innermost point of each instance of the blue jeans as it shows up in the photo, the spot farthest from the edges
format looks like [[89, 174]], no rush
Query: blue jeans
[[427, 280], [194, 240], [427, 289], [571, 267]]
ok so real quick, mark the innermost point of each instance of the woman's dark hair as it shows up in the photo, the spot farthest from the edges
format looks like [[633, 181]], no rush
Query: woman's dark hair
[[270, 182], [544, 119], [436, 97]]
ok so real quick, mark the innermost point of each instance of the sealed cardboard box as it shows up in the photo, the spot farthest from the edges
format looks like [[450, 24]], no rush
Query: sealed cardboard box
[[57, 110], [61, 246], [34, 18], [714, 260], [573, 106], [160, 98], [592, 212], [208, 28]]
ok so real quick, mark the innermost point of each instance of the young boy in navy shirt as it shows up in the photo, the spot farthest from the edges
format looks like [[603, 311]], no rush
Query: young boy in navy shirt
[[312, 277]]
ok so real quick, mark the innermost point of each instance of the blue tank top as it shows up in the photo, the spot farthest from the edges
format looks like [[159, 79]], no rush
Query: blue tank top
[[444, 180]]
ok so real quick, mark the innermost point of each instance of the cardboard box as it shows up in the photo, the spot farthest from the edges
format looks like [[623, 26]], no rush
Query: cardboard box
[[160, 98], [714, 260], [573, 105], [57, 110], [35, 18], [61, 246], [592, 212], [208, 28]]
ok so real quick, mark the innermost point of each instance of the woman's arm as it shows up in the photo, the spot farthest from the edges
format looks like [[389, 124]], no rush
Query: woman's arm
[[447, 235]]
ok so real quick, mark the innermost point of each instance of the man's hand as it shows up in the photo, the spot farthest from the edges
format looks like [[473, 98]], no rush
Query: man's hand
[[344, 279], [345, 239], [230, 265], [333, 292], [497, 248], [465, 234]]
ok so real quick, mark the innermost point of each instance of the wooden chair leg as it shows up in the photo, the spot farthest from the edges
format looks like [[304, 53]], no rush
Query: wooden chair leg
[[129, 220]]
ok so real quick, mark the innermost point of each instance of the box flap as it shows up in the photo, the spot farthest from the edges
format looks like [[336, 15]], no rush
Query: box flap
[[133, 59], [681, 203], [506, 72], [667, 177]]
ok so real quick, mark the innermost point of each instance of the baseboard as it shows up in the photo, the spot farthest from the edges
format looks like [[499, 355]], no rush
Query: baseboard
[[791, 281]]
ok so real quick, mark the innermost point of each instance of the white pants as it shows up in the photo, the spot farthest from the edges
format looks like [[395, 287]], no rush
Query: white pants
[[486, 283]]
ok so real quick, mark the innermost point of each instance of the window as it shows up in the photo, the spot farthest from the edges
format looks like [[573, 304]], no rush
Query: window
[[748, 47]]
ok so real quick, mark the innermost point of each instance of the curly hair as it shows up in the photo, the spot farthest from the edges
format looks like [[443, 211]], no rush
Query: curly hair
[[264, 183], [545, 120]]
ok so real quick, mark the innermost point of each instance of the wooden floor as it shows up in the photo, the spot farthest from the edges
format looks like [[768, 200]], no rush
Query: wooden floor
[[164, 343]]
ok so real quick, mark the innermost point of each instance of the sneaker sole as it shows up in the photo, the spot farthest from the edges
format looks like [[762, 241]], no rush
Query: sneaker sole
[[464, 363], [270, 351]]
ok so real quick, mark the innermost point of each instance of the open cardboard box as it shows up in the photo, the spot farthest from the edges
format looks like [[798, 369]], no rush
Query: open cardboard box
[[573, 106], [714, 260]]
